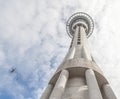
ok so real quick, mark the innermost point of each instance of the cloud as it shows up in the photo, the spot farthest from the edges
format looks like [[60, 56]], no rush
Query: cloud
[[33, 40]]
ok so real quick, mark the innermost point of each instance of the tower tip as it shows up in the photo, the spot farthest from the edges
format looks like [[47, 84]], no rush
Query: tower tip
[[80, 18]]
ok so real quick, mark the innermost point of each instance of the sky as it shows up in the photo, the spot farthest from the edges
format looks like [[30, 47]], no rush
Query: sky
[[33, 41]]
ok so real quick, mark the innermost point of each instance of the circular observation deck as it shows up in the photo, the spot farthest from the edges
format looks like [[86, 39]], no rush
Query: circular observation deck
[[80, 19]]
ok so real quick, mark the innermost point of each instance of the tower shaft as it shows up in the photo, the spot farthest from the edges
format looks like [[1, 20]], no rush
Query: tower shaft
[[78, 76], [79, 45]]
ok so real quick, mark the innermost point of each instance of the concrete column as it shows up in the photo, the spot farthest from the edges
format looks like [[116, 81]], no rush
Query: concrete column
[[93, 88], [107, 90], [47, 92], [60, 85]]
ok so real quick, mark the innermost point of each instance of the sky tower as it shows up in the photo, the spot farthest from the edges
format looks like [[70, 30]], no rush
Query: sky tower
[[78, 76]]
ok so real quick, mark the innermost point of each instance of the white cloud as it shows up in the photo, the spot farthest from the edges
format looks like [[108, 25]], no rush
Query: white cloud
[[2, 57], [33, 32]]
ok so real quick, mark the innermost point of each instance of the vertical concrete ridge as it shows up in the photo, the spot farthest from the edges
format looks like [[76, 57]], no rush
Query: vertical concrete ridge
[[60, 85], [93, 87], [47, 92]]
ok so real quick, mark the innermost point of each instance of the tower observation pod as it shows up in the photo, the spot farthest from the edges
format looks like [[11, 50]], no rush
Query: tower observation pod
[[78, 76]]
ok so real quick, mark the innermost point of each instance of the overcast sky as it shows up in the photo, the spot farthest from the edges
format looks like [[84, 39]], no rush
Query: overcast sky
[[33, 41]]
